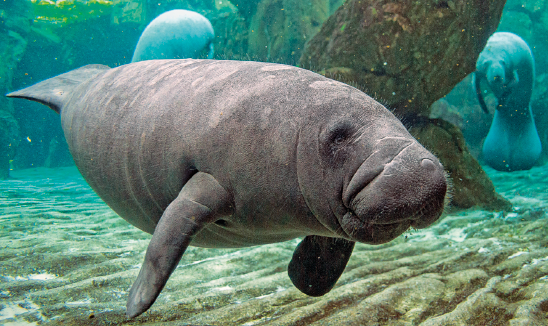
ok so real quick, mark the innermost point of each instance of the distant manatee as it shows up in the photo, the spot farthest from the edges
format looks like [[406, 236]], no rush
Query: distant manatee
[[176, 34], [508, 66]]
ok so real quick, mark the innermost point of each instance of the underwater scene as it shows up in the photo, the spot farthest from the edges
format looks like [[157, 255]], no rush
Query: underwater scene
[[273, 162]]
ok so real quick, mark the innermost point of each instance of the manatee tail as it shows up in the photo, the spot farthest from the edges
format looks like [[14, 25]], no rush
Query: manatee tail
[[478, 92], [54, 92]]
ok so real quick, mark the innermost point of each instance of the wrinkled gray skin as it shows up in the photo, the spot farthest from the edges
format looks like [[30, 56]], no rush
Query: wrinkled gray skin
[[232, 153], [176, 34]]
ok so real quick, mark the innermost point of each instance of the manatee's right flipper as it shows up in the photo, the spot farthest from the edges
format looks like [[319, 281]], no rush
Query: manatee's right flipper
[[476, 81], [55, 91], [201, 201], [318, 262]]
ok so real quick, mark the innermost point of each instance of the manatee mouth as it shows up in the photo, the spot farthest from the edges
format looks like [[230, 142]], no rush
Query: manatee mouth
[[372, 233], [379, 230], [408, 191]]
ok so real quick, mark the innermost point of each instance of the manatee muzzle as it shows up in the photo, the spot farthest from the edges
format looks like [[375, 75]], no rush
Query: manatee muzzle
[[403, 186]]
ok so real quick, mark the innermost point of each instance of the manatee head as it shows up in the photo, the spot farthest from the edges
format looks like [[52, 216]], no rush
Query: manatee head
[[495, 65], [374, 179], [495, 74]]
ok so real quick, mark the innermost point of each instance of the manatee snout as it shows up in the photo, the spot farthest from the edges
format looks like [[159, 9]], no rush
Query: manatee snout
[[402, 187], [496, 77]]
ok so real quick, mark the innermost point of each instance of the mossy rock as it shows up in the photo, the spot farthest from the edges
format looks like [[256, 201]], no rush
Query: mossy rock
[[406, 53], [471, 185]]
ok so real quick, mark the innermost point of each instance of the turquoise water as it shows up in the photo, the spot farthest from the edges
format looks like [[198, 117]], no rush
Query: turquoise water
[[67, 259]]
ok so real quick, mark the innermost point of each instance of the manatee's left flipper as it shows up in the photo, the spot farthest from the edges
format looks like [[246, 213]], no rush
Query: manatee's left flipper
[[318, 262], [515, 79], [201, 201], [477, 81], [211, 53]]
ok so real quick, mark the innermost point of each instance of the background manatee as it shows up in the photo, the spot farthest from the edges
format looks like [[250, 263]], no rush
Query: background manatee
[[176, 34], [507, 65], [231, 153]]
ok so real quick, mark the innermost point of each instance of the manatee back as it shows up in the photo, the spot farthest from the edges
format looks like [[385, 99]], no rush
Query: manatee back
[[513, 45], [140, 131]]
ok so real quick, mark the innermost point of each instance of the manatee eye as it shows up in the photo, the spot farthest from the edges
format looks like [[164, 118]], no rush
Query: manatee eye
[[340, 134], [339, 139], [335, 142]]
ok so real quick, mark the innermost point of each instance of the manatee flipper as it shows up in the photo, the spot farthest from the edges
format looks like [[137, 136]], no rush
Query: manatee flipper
[[318, 262], [201, 201], [54, 92], [515, 79], [211, 53], [503, 99], [477, 80]]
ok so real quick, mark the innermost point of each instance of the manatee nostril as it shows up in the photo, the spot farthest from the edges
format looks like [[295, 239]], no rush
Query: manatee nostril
[[427, 164]]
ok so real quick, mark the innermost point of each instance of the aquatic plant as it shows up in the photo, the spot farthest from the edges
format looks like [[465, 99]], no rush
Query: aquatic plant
[[70, 11]]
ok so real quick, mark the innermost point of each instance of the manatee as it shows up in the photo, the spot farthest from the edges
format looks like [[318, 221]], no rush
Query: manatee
[[507, 64], [233, 153], [176, 34]]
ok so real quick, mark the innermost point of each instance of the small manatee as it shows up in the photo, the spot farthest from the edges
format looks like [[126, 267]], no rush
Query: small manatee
[[507, 64], [176, 34]]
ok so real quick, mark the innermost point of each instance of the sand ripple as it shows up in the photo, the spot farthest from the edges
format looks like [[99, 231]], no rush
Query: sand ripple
[[67, 259]]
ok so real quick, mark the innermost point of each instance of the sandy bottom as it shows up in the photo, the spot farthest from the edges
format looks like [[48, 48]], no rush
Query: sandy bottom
[[67, 259]]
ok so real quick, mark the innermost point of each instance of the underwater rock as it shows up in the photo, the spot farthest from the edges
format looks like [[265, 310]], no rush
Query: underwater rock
[[471, 185], [279, 29], [247, 8], [406, 53], [128, 12]]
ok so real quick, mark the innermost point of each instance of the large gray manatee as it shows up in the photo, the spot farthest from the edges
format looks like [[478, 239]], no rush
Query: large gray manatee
[[231, 153], [176, 34], [507, 64]]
